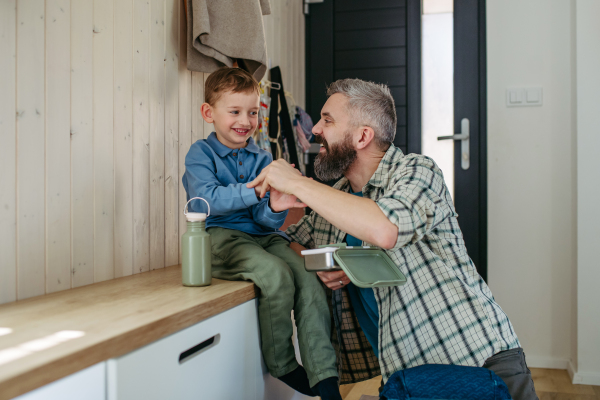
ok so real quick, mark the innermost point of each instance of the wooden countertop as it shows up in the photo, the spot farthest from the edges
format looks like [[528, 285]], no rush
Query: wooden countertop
[[117, 316]]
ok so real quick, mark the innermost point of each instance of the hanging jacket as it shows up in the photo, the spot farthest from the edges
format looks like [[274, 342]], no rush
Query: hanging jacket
[[220, 31]]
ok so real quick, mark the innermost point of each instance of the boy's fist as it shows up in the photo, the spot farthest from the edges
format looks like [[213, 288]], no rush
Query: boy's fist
[[281, 201]]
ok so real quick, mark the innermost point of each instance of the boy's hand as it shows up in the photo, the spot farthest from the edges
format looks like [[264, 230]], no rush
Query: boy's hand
[[279, 174], [281, 201]]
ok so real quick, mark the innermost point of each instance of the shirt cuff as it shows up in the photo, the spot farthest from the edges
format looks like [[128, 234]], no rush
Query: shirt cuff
[[249, 196], [275, 216]]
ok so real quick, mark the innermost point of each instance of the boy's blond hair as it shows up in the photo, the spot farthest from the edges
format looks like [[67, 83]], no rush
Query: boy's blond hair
[[227, 79]]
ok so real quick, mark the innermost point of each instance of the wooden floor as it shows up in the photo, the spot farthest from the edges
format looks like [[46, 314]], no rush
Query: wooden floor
[[550, 384]]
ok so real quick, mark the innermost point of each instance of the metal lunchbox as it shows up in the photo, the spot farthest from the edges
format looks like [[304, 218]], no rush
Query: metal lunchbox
[[320, 259], [367, 267]]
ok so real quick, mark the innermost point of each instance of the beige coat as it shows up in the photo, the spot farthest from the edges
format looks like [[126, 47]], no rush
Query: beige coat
[[220, 31]]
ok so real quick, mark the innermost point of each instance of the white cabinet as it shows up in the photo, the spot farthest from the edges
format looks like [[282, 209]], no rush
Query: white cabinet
[[220, 360], [89, 384], [216, 359]]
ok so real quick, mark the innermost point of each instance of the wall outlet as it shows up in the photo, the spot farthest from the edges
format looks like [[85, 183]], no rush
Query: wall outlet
[[524, 97]]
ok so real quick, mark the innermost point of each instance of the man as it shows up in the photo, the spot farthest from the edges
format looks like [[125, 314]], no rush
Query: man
[[445, 313]]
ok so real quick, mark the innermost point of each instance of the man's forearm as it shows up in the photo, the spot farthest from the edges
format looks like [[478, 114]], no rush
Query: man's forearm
[[357, 216]]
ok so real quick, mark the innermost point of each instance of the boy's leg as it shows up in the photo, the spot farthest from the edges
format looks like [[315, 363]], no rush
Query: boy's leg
[[238, 256], [311, 313]]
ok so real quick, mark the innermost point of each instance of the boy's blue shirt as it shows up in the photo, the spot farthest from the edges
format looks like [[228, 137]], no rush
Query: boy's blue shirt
[[219, 174]]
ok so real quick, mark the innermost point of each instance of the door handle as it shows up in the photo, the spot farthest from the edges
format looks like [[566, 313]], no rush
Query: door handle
[[463, 136]]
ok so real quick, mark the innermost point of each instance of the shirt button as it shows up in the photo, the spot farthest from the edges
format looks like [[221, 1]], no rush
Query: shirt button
[[235, 154], [240, 163], [241, 176]]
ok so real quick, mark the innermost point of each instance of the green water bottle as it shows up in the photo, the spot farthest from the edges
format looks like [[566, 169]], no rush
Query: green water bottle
[[195, 249]]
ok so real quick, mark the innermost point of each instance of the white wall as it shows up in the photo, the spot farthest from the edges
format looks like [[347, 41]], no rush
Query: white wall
[[532, 253], [587, 367]]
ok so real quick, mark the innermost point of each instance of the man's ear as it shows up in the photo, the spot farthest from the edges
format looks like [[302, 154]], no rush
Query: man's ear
[[207, 113], [367, 134]]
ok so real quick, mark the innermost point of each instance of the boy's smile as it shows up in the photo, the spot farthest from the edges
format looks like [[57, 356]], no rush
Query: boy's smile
[[235, 117]]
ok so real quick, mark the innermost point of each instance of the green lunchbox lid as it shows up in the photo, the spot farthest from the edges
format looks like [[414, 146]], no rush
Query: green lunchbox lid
[[367, 267]]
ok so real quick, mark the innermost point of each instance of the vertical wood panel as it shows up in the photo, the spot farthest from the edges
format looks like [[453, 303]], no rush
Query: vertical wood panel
[[82, 144], [107, 118], [268, 24], [58, 145], [301, 73], [141, 137], [206, 127], [103, 141], [30, 153], [185, 116], [293, 47], [288, 49], [157, 134], [302, 64], [123, 144], [8, 150], [283, 42], [171, 133], [276, 53], [197, 100]]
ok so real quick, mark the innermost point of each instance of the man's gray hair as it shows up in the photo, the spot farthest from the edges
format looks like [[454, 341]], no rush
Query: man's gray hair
[[369, 104]]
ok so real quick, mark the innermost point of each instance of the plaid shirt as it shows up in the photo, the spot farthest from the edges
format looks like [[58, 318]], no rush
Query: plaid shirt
[[445, 313]]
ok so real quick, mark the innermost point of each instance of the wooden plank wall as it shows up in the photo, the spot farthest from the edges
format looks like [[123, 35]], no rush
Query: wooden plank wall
[[97, 113]]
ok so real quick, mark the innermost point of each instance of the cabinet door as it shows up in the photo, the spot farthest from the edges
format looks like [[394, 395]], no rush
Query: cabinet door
[[218, 358], [89, 384]]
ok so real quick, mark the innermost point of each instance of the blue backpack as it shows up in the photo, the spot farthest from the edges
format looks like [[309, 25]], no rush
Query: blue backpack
[[433, 381]]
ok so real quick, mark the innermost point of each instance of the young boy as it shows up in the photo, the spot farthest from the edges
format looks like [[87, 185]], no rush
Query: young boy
[[246, 241]]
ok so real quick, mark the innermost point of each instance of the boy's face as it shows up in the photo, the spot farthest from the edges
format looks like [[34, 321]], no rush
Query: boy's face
[[235, 117]]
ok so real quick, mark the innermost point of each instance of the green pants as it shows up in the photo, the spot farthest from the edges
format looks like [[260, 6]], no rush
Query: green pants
[[284, 286]]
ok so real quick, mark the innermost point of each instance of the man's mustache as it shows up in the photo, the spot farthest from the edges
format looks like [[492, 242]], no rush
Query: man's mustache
[[321, 140]]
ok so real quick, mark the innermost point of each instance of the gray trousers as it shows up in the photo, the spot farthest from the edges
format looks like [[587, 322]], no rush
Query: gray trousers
[[510, 365]]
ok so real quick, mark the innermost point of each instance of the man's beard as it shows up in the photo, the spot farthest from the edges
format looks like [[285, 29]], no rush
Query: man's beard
[[336, 160]]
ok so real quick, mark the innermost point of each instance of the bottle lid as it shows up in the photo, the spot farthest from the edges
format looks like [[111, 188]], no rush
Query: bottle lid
[[195, 217]]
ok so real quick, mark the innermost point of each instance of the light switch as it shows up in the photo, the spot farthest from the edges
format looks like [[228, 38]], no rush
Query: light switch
[[514, 97], [534, 96], [522, 97]]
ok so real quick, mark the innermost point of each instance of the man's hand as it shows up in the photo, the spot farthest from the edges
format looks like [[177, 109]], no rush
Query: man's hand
[[278, 175], [334, 280], [281, 201]]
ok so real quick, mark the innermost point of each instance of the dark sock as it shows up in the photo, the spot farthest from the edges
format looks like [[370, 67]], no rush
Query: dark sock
[[328, 389], [298, 381]]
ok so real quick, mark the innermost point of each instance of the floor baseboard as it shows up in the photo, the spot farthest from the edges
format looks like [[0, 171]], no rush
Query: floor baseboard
[[583, 378], [571, 371]]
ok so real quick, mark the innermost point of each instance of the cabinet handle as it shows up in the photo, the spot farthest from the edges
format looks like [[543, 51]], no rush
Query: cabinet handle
[[199, 348]]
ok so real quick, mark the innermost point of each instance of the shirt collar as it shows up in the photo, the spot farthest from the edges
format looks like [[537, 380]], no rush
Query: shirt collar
[[223, 150], [392, 156]]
